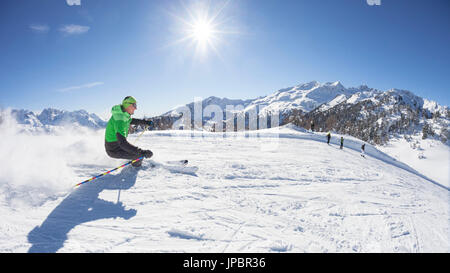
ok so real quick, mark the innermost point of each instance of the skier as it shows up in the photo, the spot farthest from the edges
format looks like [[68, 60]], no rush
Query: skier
[[342, 142], [363, 147], [312, 125], [116, 144], [328, 138]]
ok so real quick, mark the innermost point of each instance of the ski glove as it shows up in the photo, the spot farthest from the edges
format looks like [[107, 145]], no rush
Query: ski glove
[[142, 122], [146, 153]]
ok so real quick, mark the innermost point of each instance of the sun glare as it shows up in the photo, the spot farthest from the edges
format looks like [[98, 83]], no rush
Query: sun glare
[[201, 27], [202, 31]]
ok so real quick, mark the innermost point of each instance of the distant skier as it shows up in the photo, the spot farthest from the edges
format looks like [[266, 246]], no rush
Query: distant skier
[[116, 144], [363, 151], [328, 138], [342, 142], [312, 125]]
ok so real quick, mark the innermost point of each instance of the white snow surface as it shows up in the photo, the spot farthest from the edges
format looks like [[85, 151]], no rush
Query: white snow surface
[[428, 156], [275, 190]]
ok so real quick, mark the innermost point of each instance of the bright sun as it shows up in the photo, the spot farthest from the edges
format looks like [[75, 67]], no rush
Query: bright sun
[[202, 27], [202, 31]]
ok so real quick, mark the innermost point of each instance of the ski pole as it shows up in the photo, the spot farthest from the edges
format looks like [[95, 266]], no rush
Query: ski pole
[[95, 177], [145, 129]]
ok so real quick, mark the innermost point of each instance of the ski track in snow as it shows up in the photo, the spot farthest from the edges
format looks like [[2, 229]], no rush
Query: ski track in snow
[[303, 196]]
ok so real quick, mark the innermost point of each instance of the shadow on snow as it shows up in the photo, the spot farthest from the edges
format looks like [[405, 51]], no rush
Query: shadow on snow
[[80, 206]]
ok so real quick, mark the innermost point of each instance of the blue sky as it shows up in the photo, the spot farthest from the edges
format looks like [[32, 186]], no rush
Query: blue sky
[[92, 54]]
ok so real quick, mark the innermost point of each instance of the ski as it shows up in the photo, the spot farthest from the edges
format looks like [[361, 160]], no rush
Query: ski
[[177, 166], [183, 162]]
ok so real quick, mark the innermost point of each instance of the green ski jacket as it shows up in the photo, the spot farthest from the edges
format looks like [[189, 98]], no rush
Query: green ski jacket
[[118, 123]]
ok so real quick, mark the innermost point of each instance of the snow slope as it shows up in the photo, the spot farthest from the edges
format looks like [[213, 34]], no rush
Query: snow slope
[[428, 156], [284, 191]]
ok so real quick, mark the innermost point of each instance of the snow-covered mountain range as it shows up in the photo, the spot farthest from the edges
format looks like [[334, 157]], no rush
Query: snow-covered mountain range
[[369, 114], [378, 116], [53, 117], [366, 113], [305, 97]]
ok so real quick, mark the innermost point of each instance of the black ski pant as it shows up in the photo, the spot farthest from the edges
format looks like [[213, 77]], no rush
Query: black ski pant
[[114, 150]]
